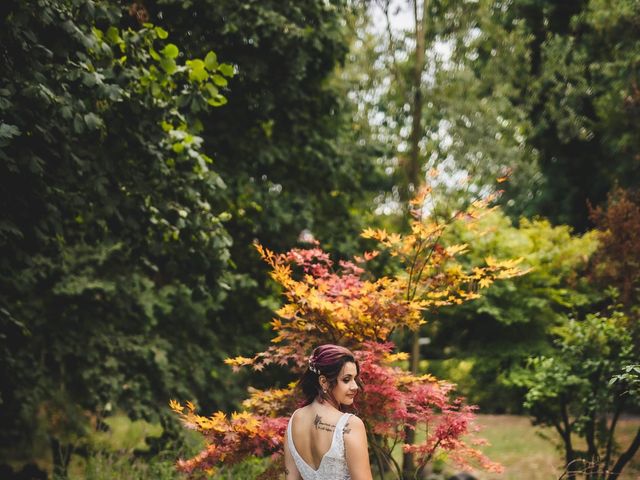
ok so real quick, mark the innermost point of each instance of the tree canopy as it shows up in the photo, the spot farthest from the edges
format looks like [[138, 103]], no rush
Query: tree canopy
[[132, 191], [147, 146]]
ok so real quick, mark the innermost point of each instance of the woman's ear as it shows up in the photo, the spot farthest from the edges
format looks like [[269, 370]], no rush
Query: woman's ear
[[323, 382]]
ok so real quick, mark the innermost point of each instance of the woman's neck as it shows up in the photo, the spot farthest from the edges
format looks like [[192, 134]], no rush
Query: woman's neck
[[328, 401]]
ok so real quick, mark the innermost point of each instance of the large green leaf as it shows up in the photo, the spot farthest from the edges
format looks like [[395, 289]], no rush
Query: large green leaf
[[170, 51]]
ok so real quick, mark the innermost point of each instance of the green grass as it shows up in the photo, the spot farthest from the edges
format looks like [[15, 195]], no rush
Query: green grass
[[527, 452], [527, 455]]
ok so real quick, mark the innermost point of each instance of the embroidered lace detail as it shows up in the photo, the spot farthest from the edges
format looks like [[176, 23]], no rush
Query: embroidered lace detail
[[333, 465]]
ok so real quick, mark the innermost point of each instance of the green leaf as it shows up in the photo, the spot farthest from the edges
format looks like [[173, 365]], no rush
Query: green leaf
[[219, 80], [8, 131], [168, 65], [98, 33], [89, 79], [154, 54], [93, 121], [212, 89], [226, 69], [217, 101], [66, 112], [211, 60], [161, 32], [78, 124], [170, 51], [113, 35], [197, 70]]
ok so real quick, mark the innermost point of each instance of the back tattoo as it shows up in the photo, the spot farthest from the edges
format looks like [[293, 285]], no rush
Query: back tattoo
[[327, 427]]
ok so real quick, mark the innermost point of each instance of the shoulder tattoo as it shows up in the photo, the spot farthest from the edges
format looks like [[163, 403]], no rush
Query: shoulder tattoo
[[327, 427]]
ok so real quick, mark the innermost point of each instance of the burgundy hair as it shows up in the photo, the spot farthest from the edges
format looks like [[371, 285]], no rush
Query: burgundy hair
[[326, 360]]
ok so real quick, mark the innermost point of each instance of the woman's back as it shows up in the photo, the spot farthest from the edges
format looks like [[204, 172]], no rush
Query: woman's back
[[322, 442], [315, 438], [312, 432]]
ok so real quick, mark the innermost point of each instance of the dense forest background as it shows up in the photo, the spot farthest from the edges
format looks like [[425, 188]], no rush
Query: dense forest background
[[146, 146]]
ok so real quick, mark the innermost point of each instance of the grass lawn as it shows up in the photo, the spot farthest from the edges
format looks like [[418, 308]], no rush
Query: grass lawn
[[526, 455]]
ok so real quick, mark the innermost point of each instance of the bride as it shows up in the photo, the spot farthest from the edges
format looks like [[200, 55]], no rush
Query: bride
[[322, 442]]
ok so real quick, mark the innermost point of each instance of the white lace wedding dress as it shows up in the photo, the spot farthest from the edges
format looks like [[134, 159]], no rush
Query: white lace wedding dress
[[333, 465]]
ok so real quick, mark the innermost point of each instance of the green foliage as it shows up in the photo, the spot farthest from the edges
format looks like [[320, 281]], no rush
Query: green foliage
[[124, 434], [250, 468], [589, 376], [541, 93], [285, 143], [630, 379], [590, 350], [105, 466], [116, 237], [473, 129], [108, 466], [118, 447], [114, 253], [498, 331], [578, 88]]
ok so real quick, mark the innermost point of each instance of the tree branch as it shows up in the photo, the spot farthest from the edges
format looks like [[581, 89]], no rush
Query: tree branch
[[625, 457]]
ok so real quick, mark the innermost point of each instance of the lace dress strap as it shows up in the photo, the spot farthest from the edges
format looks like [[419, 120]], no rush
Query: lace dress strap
[[339, 433]]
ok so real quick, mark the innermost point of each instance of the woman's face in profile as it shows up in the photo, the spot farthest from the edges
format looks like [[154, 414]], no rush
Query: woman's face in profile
[[346, 387]]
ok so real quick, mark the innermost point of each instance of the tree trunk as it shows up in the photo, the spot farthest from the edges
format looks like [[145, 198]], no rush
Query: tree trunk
[[625, 457], [412, 169], [591, 468], [565, 433], [609, 448], [569, 458], [413, 164]]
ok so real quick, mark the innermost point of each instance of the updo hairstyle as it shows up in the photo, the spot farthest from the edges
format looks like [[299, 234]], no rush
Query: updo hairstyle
[[326, 360]]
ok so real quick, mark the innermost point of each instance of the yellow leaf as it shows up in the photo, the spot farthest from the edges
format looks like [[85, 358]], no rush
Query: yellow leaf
[[456, 249], [368, 233], [175, 406]]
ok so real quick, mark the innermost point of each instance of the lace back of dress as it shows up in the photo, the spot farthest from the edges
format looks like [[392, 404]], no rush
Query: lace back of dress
[[333, 465]]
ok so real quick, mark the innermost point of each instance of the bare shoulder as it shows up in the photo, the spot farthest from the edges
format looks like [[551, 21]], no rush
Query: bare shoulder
[[301, 413], [355, 422], [355, 427], [356, 450]]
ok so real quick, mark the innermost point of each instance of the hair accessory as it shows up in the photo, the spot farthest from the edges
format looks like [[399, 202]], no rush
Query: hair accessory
[[313, 368]]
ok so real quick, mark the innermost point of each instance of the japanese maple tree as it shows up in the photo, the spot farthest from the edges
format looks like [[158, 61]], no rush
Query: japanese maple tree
[[344, 304]]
